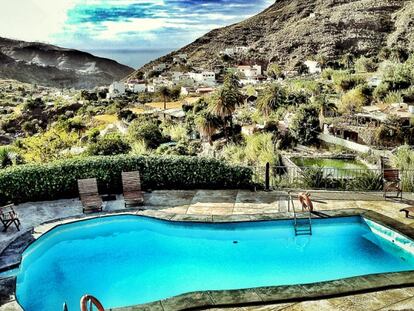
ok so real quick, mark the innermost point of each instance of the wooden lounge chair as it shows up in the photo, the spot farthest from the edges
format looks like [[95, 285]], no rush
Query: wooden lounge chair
[[408, 210], [392, 183], [131, 185], [89, 196], [8, 216]]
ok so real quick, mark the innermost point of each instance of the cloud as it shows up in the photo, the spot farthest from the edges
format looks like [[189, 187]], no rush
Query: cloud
[[33, 20], [121, 23]]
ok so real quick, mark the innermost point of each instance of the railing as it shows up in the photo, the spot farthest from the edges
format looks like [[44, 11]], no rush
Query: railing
[[300, 229], [293, 177]]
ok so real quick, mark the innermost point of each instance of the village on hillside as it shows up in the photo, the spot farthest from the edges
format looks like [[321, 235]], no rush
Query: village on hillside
[[357, 109]]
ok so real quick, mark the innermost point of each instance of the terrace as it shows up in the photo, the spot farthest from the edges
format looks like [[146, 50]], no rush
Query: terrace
[[216, 205]]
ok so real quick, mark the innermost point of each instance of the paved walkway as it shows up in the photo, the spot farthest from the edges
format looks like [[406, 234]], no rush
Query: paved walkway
[[232, 202]]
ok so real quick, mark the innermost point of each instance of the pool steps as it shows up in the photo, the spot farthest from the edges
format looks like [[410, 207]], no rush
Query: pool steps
[[302, 226]]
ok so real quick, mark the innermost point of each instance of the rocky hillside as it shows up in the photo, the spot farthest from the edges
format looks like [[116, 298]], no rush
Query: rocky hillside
[[293, 30], [50, 65]]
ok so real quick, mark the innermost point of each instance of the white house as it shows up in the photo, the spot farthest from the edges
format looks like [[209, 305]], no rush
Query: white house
[[250, 72], [116, 89], [151, 88], [205, 77], [137, 87], [313, 66]]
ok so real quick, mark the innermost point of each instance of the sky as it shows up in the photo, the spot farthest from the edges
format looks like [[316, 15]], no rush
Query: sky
[[120, 24]]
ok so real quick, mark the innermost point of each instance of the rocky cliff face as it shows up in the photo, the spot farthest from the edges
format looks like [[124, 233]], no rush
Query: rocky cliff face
[[293, 30], [54, 66]]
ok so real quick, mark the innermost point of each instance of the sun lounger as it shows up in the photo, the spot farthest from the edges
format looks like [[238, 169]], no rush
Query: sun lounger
[[89, 196], [131, 185]]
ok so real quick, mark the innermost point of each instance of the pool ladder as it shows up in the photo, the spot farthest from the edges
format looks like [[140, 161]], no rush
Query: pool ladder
[[302, 226]]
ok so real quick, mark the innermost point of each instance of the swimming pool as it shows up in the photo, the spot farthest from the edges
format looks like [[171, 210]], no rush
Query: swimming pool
[[128, 260]]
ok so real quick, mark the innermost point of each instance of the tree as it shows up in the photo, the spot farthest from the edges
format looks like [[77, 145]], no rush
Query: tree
[[147, 131], [224, 102], [304, 126], [365, 64], [273, 97], [32, 104], [165, 92], [232, 81], [9, 156], [207, 124], [274, 71], [352, 101], [324, 106], [109, 145], [76, 125]]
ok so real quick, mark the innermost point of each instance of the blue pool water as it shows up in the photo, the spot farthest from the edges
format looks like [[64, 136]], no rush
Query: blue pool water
[[127, 260]]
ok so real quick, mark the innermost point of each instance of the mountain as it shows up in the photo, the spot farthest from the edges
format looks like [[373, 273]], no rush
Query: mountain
[[49, 65], [294, 30]]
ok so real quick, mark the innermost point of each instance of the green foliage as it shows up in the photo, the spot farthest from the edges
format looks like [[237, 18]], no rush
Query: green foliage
[[313, 177], [352, 101], [272, 97], [9, 156], [365, 64], [274, 71], [147, 131], [344, 81], [32, 104], [126, 115], [366, 181], [403, 159], [393, 97], [58, 179], [48, 146], [399, 76], [177, 132], [139, 148], [258, 149], [109, 145], [207, 124], [304, 126]]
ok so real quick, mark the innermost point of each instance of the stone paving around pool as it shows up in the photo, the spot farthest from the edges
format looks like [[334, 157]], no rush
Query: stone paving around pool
[[215, 203]]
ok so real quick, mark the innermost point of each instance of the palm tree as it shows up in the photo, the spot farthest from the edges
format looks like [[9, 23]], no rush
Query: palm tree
[[207, 124], [272, 98], [165, 93], [324, 106], [224, 103], [232, 81]]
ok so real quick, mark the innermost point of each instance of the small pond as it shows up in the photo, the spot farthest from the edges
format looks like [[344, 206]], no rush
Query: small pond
[[343, 168]]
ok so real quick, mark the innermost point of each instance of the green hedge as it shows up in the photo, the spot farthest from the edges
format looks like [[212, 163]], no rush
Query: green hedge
[[58, 179]]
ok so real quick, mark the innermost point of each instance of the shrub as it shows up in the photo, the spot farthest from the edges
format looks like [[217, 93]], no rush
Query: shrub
[[304, 126], [352, 101], [366, 181], [364, 64], [109, 145], [147, 131], [59, 179]]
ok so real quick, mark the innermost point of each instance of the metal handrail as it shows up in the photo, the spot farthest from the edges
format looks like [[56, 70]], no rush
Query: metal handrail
[[295, 219]]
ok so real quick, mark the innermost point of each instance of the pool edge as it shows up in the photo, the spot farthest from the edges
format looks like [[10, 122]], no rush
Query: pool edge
[[250, 296]]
